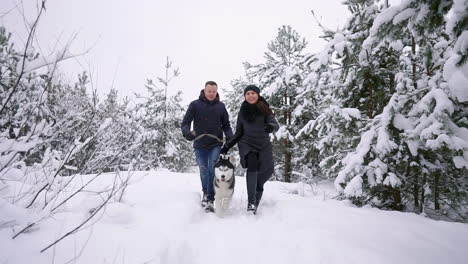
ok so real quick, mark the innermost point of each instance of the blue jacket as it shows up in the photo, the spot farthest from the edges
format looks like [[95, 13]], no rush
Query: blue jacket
[[209, 117]]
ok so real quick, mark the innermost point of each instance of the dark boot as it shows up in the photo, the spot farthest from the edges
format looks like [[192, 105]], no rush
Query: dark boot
[[252, 208], [209, 208], [204, 200]]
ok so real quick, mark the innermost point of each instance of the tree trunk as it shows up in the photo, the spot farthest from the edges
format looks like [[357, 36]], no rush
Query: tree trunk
[[421, 205], [287, 160], [413, 62], [436, 190], [392, 83], [396, 193], [287, 143], [416, 191], [370, 103]]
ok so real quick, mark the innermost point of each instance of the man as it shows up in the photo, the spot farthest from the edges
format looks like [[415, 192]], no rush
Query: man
[[210, 120]]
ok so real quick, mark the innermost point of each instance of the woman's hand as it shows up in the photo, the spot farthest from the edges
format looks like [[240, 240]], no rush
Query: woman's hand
[[269, 128], [224, 150]]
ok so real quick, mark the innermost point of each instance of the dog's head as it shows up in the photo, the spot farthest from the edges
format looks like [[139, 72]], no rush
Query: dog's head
[[224, 169]]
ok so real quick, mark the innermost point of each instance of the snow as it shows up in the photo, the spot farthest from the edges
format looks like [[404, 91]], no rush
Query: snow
[[105, 124], [388, 15], [22, 144], [404, 15], [422, 14], [397, 45], [354, 159], [161, 222], [377, 169], [353, 112], [460, 162], [457, 77], [458, 86], [323, 57], [413, 147], [457, 12], [392, 180], [283, 133], [402, 123], [384, 144], [340, 43], [290, 73], [354, 187]]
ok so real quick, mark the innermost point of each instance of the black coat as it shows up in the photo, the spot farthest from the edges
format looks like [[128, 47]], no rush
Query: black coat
[[209, 117], [251, 136]]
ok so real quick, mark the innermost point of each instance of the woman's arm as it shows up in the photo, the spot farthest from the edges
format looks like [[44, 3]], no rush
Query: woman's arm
[[238, 135], [272, 124]]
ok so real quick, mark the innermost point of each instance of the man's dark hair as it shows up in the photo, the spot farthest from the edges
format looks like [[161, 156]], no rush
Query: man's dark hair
[[210, 83]]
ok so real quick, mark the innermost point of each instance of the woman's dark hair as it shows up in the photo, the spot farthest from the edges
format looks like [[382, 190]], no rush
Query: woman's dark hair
[[263, 106]]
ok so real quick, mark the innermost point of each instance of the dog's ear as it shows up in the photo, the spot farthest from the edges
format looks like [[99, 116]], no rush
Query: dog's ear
[[232, 159]]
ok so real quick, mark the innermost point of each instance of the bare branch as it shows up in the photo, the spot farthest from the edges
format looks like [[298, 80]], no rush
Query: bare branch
[[113, 192], [2, 15]]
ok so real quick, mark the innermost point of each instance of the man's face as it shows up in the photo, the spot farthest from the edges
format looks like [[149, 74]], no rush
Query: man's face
[[210, 92]]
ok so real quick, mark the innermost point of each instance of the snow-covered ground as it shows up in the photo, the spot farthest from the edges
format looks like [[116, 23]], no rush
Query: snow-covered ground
[[161, 221]]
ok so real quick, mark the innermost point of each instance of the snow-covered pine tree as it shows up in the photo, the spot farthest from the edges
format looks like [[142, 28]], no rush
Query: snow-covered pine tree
[[179, 152], [280, 79], [409, 151], [24, 114], [159, 116], [33, 154], [75, 116], [115, 146], [346, 91]]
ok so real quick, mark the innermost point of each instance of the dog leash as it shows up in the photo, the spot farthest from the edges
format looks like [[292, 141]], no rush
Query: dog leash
[[209, 135]]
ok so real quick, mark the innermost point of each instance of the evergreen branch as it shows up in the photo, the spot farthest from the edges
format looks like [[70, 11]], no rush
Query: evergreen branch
[[25, 56]]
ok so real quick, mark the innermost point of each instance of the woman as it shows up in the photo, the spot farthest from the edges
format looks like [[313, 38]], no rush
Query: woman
[[254, 123]]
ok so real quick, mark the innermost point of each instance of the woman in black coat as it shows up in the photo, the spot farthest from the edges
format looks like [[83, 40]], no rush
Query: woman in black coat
[[254, 123]]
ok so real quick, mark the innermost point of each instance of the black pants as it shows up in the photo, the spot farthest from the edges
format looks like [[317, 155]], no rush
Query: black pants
[[255, 178]]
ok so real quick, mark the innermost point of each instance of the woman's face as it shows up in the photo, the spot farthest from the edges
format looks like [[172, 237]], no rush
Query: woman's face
[[251, 97]]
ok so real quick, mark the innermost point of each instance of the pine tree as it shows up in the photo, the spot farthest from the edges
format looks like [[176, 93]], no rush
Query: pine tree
[[342, 92], [24, 114], [159, 116], [408, 148], [75, 117]]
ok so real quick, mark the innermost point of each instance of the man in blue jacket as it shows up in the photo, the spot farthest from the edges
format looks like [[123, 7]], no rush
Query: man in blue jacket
[[210, 120]]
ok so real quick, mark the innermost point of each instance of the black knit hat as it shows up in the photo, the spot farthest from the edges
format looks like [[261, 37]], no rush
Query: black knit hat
[[252, 88]]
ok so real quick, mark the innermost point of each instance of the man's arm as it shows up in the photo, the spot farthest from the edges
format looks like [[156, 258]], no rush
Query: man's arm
[[187, 121]]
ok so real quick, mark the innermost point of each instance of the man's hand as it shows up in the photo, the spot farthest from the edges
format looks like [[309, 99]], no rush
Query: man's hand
[[190, 136]]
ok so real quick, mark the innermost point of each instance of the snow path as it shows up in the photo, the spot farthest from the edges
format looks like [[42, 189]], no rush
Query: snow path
[[161, 221]]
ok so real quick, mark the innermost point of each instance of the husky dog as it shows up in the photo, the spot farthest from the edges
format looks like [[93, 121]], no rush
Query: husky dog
[[223, 184]]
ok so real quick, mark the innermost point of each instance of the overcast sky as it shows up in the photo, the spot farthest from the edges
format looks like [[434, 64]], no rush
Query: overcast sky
[[130, 40]]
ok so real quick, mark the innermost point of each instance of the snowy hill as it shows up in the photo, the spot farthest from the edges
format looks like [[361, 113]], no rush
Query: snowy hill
[[161, 221]]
